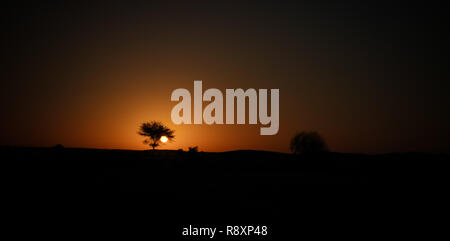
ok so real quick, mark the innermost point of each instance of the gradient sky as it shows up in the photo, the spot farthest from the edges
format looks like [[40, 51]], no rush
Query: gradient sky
[[369, 77]]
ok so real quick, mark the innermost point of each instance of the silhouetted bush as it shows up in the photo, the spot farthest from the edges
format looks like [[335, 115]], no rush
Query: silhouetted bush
[[193, 149], [308, 142], [58, 146]]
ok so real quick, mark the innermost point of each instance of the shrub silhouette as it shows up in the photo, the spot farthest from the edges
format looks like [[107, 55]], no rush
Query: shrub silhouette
[[308, 142], [154, 130], [193, 149], [58, 146]]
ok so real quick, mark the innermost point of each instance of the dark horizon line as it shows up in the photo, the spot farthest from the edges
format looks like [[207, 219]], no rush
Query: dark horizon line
[[236, 150]]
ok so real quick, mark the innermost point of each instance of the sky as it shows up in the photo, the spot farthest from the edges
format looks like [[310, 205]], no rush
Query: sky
[[369, 77]]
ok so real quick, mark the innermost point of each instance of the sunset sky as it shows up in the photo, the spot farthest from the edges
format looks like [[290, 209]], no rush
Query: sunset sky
[[369, 77]]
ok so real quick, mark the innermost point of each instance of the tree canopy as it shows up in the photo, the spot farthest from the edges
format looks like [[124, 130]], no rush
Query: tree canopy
[[308, 142], [154, 130]]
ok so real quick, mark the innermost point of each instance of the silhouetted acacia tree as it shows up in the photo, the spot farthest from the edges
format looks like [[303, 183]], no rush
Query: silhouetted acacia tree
[[308, 142], [154, 130]]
